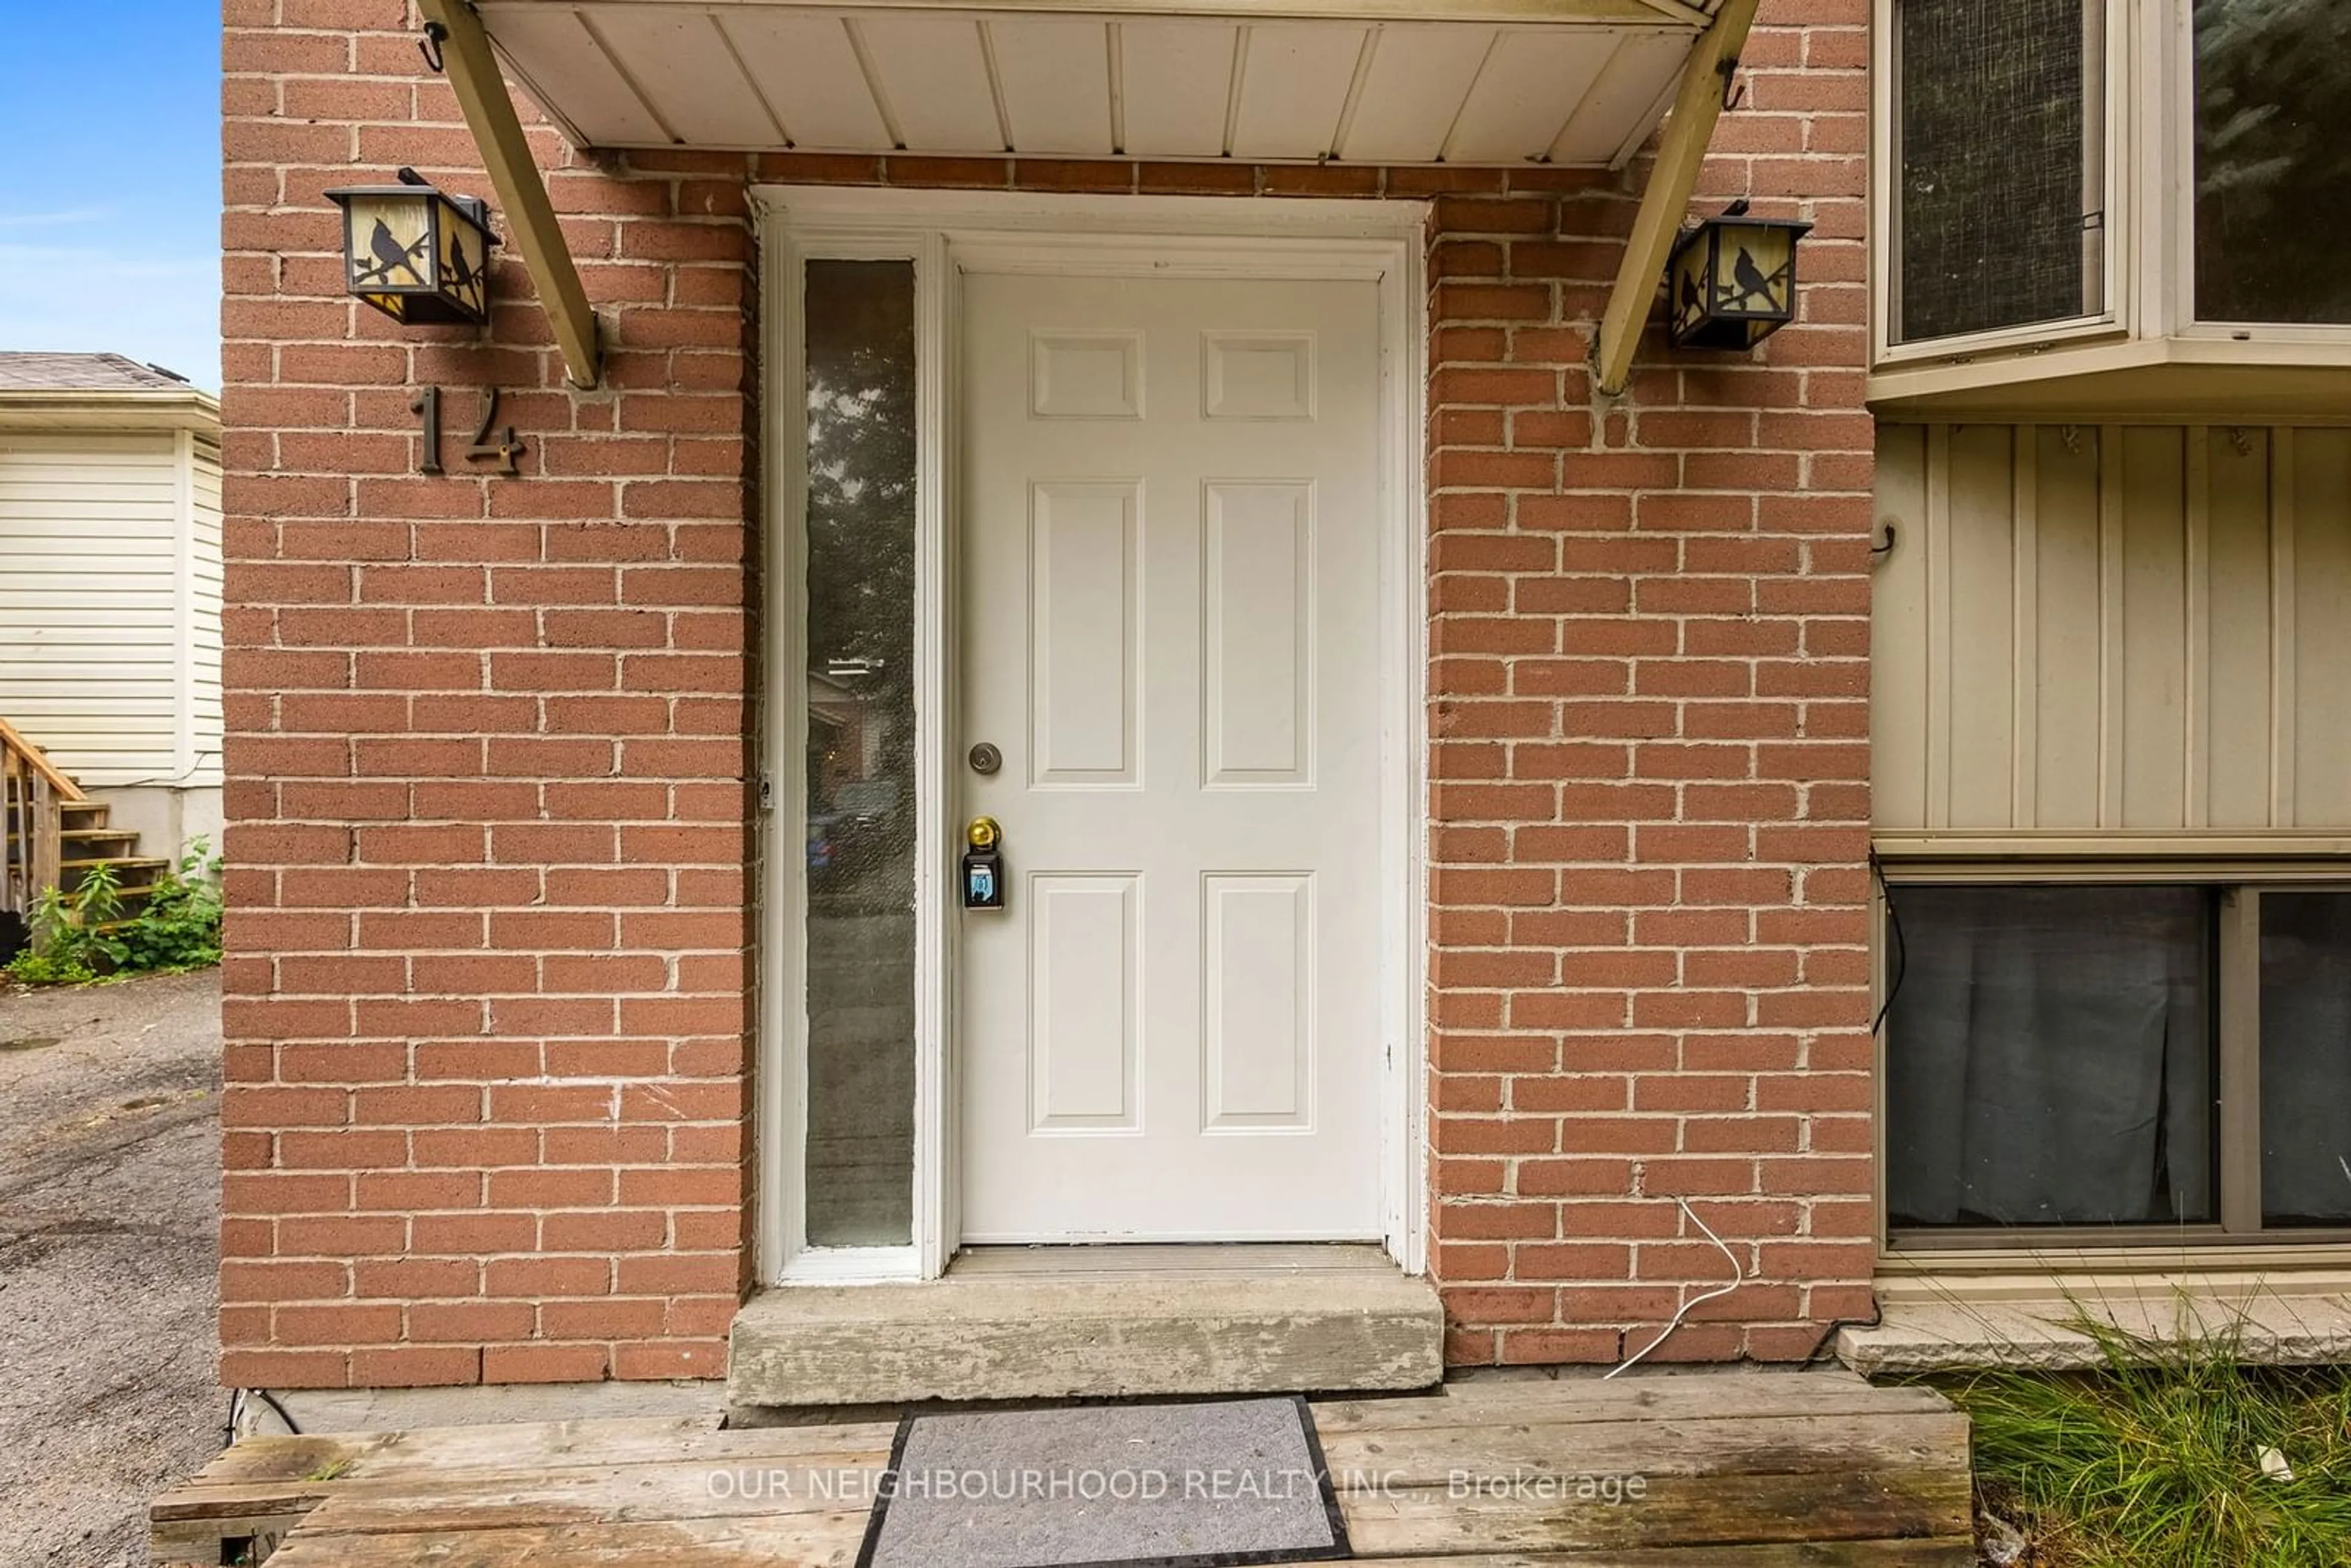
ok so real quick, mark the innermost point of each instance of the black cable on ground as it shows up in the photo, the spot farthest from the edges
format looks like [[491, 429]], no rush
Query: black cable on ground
[[237, 1398]]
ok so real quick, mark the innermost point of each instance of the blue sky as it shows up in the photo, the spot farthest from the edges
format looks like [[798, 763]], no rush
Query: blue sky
[[110, 207]]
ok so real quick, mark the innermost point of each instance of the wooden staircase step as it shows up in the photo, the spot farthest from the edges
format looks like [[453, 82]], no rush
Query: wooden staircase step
[[135, 876]]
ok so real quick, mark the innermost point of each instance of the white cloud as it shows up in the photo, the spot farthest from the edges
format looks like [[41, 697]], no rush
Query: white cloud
[[55, 220]]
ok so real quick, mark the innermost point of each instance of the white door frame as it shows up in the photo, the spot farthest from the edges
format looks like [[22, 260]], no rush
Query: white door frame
[[944, 235]]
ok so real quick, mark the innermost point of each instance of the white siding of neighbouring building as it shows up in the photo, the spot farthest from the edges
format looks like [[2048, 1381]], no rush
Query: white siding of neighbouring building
[[110, 604], [204, 668]]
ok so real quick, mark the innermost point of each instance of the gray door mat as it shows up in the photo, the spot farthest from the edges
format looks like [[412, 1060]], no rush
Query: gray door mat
[[1199, 1485]]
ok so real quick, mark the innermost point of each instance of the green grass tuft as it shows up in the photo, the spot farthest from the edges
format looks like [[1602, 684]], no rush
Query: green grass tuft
[[2154, 1460]]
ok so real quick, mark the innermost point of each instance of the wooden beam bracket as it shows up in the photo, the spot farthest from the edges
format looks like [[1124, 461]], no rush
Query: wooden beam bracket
[[472, 66], [1698, 104]]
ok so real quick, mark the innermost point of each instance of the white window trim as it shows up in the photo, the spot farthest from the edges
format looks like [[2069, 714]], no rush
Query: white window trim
[[940, 232], [2120, 205]]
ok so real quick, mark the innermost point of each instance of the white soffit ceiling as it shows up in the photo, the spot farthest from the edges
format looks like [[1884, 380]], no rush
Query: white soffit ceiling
[[1358, 81]]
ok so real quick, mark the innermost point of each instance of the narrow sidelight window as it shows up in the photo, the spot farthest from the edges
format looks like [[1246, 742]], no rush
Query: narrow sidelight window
[[1999, 163], [859, 790]]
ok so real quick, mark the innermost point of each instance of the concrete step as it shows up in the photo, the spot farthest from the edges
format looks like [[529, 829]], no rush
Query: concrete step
[[2287, 1319], [1095, 1322]]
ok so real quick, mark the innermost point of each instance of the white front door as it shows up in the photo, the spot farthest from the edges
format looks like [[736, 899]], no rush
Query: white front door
[[1169, 541]]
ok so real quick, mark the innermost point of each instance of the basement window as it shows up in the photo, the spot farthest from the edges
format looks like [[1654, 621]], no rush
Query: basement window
[[2115, 1064]]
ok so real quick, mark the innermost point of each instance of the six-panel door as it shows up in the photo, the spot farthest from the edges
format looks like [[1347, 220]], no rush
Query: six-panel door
[[1168, 536]]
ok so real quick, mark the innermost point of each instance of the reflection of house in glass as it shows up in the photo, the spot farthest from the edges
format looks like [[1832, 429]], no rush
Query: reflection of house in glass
[[845, 733], [853, 820]]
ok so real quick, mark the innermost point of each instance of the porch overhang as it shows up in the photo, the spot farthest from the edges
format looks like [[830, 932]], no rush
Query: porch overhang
[[1467, 83]]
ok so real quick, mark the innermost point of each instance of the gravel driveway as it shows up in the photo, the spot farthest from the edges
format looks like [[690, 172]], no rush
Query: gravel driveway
[[110, 1210]]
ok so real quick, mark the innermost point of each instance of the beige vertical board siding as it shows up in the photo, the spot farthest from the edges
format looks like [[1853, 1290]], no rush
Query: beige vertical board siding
[[2236, 686], [1898, 630], [2322, 578], [2154, 677], [1983, 620], [204, 589], [2069, 641], [89, 601], [2024, 626], [2138, 628], [1937, 545], [2283, 659], [2195, 533]]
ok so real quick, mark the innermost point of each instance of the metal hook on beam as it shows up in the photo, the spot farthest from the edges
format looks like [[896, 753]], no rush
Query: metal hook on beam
[[1734, 92], [436, 35]]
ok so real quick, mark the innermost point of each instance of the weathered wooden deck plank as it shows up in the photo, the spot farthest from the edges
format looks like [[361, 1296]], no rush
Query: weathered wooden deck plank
[[1408, 1456], [544, 1499], [354, 1455], [833, 1543], [1561, 1401], [1674, 1510], [1737, 1470], [265, 1487], [797, 1540], [1959, 1552]]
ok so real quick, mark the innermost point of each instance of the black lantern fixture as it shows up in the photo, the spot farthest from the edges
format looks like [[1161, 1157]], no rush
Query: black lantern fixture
[[419, 257], [1730, 282]]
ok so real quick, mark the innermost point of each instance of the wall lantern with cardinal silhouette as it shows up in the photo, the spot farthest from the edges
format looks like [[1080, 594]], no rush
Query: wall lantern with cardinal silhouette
[[418, 255], [1730, 282]]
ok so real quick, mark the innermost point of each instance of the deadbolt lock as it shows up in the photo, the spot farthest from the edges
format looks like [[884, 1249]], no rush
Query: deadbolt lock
[[986, 759]]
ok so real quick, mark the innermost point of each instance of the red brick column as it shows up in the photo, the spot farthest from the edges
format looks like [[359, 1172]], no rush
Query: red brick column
[[1649, 755], [486, 993]]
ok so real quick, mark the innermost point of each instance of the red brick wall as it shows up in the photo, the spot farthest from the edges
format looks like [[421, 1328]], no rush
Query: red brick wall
[[487, 1018], [487, 1015], [1649, 748]]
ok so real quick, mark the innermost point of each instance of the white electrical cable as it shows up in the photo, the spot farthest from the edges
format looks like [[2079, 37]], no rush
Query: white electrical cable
[[1738, 1278]]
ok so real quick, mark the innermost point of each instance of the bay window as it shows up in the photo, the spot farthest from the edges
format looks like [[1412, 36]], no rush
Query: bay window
[[2088, 209]]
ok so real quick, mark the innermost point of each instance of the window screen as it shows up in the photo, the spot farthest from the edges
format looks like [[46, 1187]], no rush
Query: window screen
[[1997, 105]]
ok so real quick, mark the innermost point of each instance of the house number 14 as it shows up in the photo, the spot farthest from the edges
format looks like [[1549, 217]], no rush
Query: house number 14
[[504, 451]]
